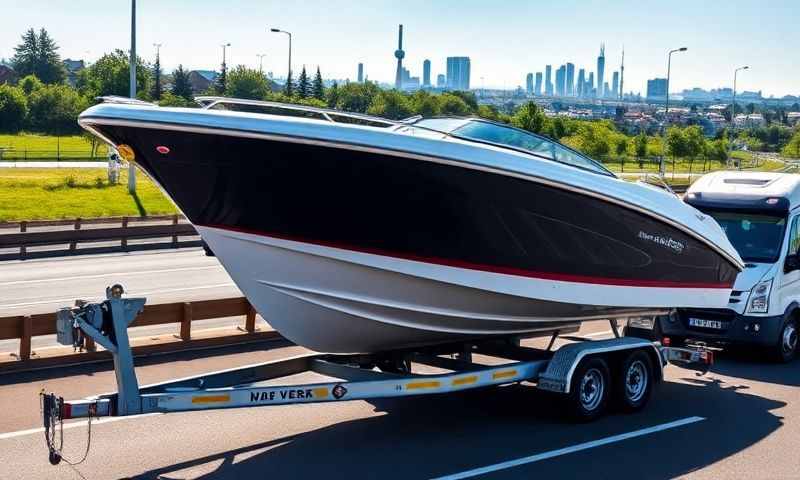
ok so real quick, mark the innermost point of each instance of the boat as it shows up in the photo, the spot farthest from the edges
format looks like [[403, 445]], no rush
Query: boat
[[355, 234]]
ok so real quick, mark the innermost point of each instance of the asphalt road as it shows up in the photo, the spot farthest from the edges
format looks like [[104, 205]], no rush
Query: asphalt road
[[742, 420], [164, 276]]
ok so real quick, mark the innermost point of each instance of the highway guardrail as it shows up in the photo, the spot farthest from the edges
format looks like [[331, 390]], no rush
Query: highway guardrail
[[182, 314], [30, 234]]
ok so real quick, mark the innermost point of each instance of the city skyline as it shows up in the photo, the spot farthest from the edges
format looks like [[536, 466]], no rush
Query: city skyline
[[502, 53]]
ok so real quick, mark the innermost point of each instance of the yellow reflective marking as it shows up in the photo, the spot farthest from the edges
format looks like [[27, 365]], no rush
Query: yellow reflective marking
[[212, 399], [126, 152], [504, 374], [320, 392], [465, 380], [416, 385]]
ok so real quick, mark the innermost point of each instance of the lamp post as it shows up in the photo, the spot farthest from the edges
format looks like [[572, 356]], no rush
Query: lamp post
[[733, 106], [131, 167], [261, 62], [669, 65], [278, 30]]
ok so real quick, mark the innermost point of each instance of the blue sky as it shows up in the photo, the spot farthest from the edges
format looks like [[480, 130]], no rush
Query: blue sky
[[505, 40]]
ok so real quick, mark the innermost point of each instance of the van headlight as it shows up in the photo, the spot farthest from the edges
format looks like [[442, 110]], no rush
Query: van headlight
[[759, 297]]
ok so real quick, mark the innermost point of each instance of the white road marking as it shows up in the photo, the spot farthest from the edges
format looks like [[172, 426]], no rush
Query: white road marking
[[130, 294], [572, 449], [81, 423], [101, 275]]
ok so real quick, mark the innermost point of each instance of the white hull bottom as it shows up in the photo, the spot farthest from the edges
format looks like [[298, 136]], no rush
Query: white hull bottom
[[339, 301]]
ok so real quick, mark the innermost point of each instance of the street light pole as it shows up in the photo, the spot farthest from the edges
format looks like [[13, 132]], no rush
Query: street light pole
[[733, 106], [261, 62], [669, 66], [131, 167], [278, 30]]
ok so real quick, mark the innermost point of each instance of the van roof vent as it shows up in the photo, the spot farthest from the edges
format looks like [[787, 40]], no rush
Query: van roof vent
[[759, 182]]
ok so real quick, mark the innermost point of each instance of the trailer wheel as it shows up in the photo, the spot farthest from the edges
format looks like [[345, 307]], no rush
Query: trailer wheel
[[589, 390], [634, 385]]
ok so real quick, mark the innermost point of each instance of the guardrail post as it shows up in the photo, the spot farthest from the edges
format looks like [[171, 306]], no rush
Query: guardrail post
[[124, 241], [23, 250], [25, 339], [73, 245], [250, 319], [175, 237], [186, 321]]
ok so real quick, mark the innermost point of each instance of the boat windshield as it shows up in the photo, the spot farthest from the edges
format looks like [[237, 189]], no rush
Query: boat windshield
[[515, 138], [757, 237]]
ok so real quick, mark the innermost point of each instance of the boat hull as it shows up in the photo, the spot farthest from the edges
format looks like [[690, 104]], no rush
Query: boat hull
[[353, 248]]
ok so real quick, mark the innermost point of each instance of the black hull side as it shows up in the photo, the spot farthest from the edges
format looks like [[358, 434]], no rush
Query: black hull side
[[409, 208]]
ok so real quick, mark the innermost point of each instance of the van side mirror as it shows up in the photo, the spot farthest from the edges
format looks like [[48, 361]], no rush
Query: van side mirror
[[791, 263]]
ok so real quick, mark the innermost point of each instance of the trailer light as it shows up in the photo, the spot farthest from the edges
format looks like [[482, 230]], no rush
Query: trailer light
[[162, 149], [665, 341], [646, 323], [756, 327]]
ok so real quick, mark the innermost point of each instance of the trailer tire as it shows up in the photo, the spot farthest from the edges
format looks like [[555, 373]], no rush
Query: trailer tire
[[589, 390], [633, 386]]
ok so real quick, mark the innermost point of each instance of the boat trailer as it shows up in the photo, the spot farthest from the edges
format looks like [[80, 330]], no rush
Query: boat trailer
[[590, 373]]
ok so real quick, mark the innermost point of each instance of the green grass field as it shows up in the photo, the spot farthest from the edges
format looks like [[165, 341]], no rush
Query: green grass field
[[53, 193], [45, 147]]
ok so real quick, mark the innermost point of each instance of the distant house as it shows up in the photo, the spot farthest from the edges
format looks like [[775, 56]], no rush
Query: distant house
[[73, 68], [7, 74], [201, 80]]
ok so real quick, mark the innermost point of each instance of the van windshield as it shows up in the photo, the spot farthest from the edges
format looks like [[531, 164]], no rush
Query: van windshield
[[755, 236]]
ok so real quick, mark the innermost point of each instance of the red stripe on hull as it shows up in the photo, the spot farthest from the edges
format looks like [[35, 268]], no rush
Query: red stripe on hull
[[562, 277]]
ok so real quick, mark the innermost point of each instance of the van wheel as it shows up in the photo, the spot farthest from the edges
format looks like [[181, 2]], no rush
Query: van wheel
[[786, 349], [634, 385], [589, 390]]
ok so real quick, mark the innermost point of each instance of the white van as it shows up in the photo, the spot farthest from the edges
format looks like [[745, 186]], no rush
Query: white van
[[760, 213]]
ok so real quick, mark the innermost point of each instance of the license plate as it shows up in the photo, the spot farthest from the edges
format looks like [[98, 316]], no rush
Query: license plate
[[703, 323]]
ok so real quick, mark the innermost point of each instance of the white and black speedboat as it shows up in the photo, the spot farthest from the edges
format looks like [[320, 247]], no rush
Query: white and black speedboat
[[351, 233]]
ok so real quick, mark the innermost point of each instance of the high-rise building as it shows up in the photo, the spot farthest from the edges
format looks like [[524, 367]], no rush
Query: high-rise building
[[601, 67], [580, 86], [605, 89], [529, 84], [399, 54], [622, 76], [590, 85], [615, 85], [360, 73], [426, 73], [537, 89], [458, 73], [548, 80], [570, 89], [561, 80], [657, 89], [441, 81]]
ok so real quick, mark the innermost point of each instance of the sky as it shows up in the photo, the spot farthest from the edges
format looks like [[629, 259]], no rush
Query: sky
[[505, 40]]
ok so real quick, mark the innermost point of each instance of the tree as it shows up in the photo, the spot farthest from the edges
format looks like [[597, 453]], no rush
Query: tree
[[676, 142], [640, 144], [390, 104], [29, 84], [332, 97], [792, 149], [450, 104], [168, 99], [244, 82], [355, 97], [425, 104], [317, 87], [529, 117], [181, 87], [695, 141], [221, 82], [468, 97], [110, 75], [157, 91], [13, 108], [38, 55], [55, 108], [303, 85], [288, 88]]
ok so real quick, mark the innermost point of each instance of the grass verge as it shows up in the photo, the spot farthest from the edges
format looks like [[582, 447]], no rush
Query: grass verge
[[54, 193], [45, 147]]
